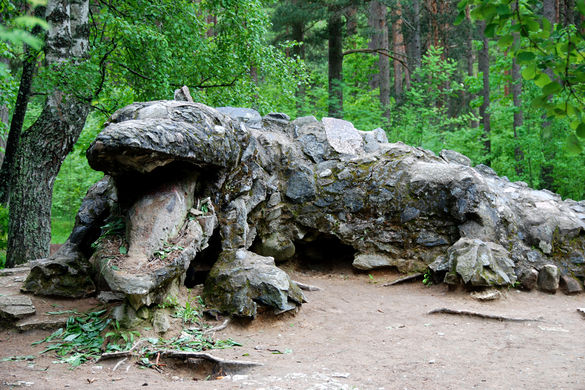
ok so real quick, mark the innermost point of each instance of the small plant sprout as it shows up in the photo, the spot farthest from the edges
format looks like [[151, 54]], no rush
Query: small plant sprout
[[427, 278]]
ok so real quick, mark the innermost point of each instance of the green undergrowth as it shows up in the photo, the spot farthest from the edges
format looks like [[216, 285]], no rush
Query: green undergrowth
[[87, 336], [61, 229]]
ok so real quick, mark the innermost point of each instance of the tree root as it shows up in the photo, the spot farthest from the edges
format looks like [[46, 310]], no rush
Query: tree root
[[307, 287], [221, 365], [403, 279], [484, 316]]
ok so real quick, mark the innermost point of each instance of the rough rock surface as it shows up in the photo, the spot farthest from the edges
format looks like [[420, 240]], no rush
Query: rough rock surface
[[241, 278], [15, 307], [548, 278], [272, 185]]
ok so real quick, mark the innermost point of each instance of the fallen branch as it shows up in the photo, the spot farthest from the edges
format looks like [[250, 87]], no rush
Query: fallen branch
[[480, 315], [307, 287], [406, 278]]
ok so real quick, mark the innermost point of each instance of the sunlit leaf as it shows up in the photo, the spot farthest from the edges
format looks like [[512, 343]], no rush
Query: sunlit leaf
[[529, 72]]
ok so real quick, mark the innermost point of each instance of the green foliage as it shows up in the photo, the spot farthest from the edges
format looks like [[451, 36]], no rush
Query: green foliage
[[81, 339], [551, 57], [192, 312], [18, 29], [87, 336], [423, 119], [119, 339], [428, 278]]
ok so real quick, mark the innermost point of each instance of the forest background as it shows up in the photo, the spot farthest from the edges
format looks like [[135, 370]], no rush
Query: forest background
[[499, 81]]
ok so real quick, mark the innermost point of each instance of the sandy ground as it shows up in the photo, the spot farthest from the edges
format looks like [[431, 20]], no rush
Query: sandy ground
[[357, 334]]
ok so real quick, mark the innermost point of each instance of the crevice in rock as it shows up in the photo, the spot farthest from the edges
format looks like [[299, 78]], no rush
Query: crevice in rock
[[323, 252], [201, 265], [133, 186]]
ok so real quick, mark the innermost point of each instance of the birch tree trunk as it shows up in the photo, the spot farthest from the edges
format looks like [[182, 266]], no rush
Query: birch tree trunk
[[47, 142]]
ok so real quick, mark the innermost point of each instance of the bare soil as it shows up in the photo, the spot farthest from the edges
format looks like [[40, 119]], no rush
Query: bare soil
[[353, 334]]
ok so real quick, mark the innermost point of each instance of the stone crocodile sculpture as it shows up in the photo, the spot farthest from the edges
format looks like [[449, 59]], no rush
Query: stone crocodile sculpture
[[179, 173]]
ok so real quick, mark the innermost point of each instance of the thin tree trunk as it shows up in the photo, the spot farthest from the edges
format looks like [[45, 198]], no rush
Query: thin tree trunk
[[335, 37], [47, 142], [569, 12], [13, 140], [518, 114], [471, 72], [484, 67], [298, 35], [417, 54], [4, 115], [549, 10], [401, 75], [516, 88], [547, 168], [433, 8], [379, 41]]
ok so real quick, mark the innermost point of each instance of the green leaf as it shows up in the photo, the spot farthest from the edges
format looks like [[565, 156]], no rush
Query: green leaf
[[552, 88], [503, 10], [460, 18], [490, 30], [542, 80], [529, 72], [505, 41], [123, 250], [525, 57], [574, 145], [581, 130]]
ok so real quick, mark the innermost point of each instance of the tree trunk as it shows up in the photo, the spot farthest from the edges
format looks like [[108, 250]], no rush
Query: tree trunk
[[4, 117], [547, 168], [433, 8], [298, 35], [471, 72], [379, 41], [13, 140], [549, 10], [47, 142], [518, 114], [401, 75], [335, 37], [417, 53], [484, 67], [569, 16]]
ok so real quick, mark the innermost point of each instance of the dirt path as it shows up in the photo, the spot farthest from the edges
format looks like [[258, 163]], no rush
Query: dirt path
[[355, 333]]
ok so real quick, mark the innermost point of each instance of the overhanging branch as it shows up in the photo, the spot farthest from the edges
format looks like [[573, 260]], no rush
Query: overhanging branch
[[383, 52]]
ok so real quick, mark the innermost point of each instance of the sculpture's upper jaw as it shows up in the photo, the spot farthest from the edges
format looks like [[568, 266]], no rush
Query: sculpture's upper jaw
[[143, 136]]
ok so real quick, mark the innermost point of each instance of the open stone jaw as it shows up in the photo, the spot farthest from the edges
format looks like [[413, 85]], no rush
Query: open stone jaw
[[273, 187]]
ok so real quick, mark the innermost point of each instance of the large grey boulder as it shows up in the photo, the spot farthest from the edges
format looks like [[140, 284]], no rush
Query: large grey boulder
[[241, 279], [479, 263]]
